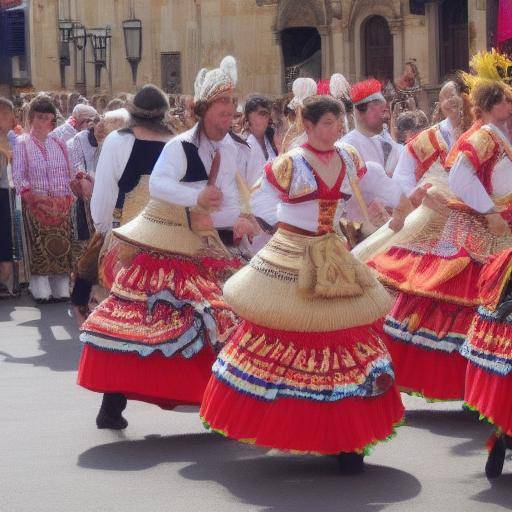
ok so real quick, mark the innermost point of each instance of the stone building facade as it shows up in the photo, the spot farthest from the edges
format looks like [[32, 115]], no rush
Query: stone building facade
[[273, 40]]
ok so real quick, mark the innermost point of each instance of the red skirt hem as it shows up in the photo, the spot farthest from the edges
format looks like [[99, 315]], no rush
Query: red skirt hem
[[303, 426], [491, 395], [164, 381], [433, 374]]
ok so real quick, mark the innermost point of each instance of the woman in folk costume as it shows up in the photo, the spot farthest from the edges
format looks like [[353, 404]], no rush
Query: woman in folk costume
[[488, 387], [421, 167], [155, 337], [305, 371], [42, 174], [121, 188], [438, 292], [488, 349]]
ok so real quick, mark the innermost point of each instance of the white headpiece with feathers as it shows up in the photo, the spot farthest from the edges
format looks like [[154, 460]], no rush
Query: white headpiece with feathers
[[302, 88], [339, 87], [209, 85]]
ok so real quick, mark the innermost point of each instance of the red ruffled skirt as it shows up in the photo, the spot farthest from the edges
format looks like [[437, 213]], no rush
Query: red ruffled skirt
[[311, 392], [491, 395], [489, 374], [155, 337], [424, 338], [164, 381]]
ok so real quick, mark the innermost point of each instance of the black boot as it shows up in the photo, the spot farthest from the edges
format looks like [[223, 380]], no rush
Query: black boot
[[494, 465], [110, 414], [351, 463], [504, 307]]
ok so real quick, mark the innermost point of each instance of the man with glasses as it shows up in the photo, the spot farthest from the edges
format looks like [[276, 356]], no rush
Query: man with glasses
[[81, 117]]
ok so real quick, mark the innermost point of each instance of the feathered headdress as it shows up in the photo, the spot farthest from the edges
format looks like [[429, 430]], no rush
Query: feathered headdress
[[366, 91], [210, 85], [488, 66], [302, 88], [339, 87]]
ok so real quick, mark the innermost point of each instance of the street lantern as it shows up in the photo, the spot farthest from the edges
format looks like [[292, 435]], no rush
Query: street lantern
[[65, 36], [99, 39], [80, 41], [79, 36], [132, 29]]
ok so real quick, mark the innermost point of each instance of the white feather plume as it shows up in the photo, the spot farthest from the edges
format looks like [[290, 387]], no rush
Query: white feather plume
[[228, 66], [198, 83], [339, 86], [302, 88]]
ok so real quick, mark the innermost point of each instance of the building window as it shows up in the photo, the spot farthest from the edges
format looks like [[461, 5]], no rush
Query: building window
[[454, 37], [171, 72], [377, 49], [302, 54]]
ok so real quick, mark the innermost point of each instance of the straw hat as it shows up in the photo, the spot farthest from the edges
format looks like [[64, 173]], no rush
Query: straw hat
[[161, 227]]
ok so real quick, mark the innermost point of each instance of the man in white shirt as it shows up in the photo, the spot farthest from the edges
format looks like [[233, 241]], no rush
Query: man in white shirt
[[369, 136], [182, 173], [380, 190]]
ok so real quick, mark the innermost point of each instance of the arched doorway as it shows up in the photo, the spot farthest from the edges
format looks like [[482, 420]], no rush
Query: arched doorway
[[454, 36], [377, 49], [302, 53]]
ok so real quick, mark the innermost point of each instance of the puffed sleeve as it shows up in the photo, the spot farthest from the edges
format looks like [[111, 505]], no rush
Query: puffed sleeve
[[466, 185]]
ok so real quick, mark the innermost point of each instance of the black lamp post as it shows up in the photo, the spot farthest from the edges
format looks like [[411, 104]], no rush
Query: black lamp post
[[132, 29], [80, 42], [99, 40], [66, 35]]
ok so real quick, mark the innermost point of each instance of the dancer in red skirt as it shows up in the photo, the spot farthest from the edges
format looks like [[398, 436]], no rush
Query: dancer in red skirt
[[305, 371], [488, 349], [156, 336], [436, 280]]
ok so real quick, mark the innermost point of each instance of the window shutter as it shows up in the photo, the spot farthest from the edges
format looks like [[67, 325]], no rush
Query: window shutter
[[15, 31]]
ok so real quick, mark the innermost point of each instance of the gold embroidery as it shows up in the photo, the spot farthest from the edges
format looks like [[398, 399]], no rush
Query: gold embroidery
[[484, 144], [283, 170]]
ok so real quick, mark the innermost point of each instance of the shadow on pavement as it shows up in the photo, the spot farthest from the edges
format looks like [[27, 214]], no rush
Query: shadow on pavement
[[276, 482], [455, 424], [59, 355], [500, 490]]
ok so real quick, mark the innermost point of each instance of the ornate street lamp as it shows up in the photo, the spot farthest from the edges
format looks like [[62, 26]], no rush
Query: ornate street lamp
[[80, 41], [99, 39], [132, 29], [65, 36]]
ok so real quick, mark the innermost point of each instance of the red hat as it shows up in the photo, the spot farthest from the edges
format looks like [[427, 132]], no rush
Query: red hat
[[366, 91]]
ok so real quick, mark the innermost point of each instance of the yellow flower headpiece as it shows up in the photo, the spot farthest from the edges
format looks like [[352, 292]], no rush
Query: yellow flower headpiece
[[488, 66]]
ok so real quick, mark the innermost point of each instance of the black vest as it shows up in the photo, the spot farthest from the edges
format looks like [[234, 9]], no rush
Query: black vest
[[195, 167]]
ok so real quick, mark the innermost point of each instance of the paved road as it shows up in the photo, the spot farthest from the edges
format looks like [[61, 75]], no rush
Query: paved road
[[54, 459]]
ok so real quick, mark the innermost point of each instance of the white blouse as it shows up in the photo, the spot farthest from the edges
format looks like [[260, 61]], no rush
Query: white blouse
[[257, 160], [465, 184], [405, 172]]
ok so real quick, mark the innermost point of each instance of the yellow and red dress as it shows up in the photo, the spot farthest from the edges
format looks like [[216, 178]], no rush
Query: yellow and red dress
[[488, 348], [305, 370], [436, 276], [421, 164], [155, 337]]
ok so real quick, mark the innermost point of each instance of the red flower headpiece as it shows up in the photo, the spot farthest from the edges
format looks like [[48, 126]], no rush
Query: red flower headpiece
[[366, 91], [323, 87]]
